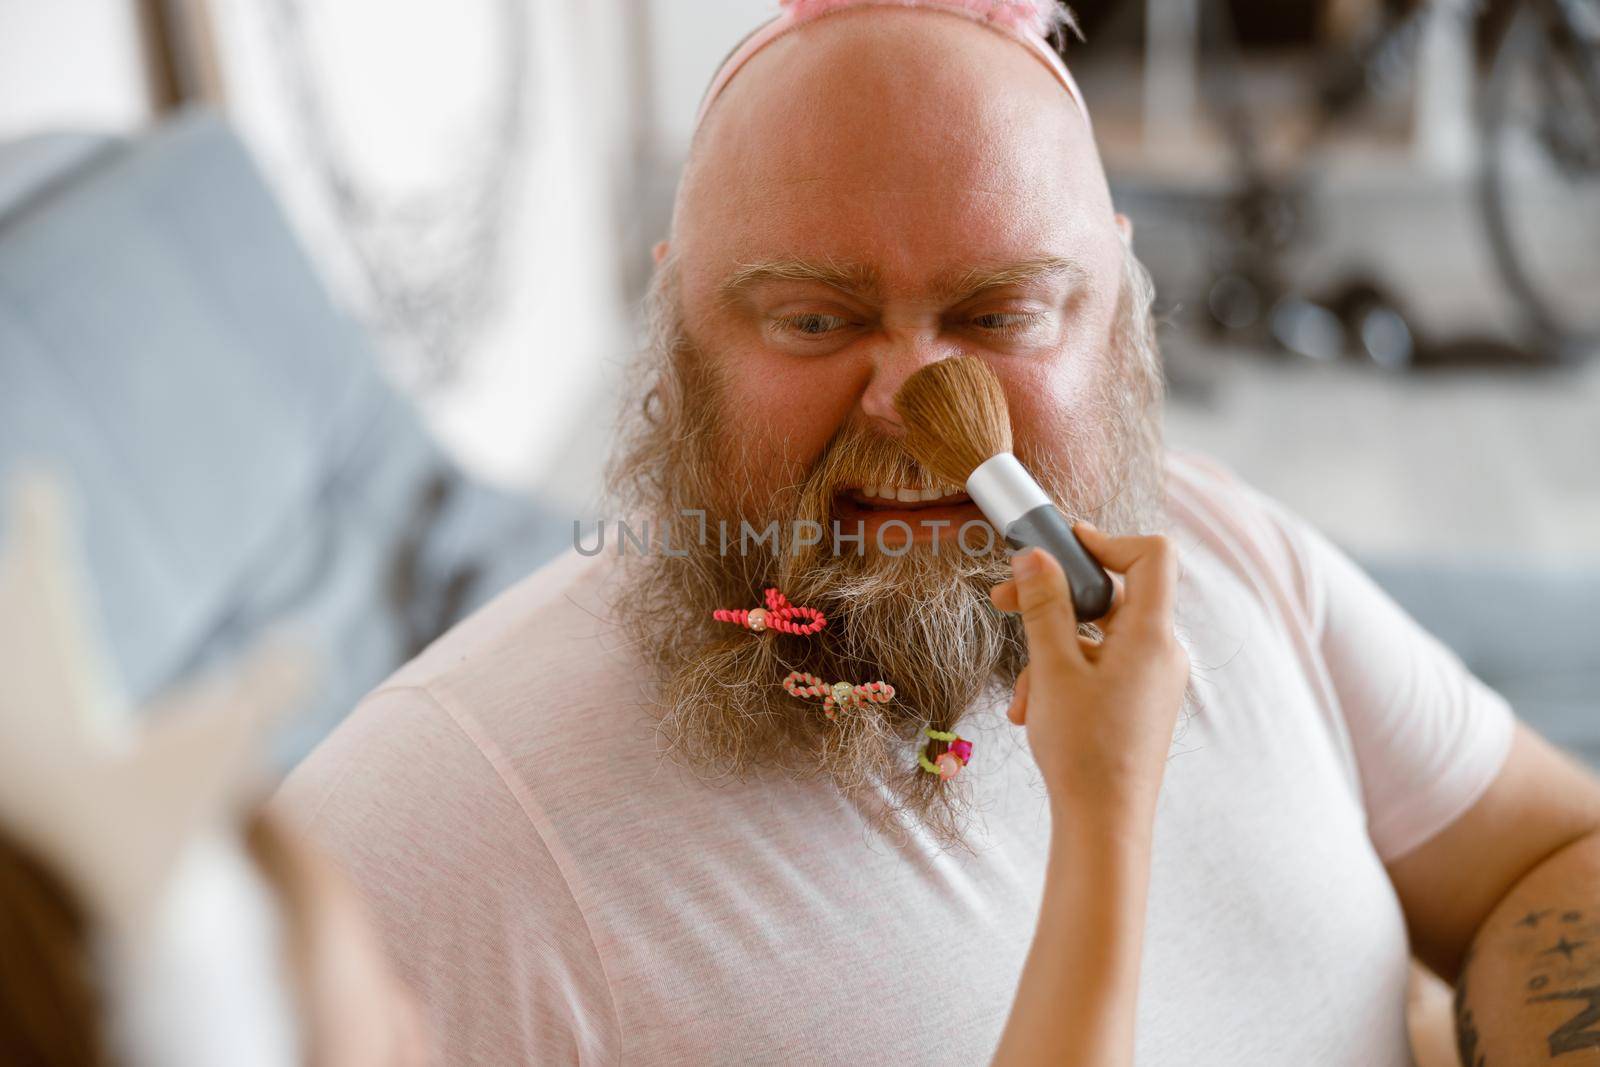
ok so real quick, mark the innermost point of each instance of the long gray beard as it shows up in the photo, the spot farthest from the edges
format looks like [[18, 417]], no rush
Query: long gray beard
[[921, 621]]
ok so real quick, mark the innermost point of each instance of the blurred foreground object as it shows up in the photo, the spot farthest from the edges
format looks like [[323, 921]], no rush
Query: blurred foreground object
[[140, 816]]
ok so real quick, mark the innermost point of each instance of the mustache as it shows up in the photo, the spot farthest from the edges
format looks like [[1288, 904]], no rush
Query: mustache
[[859, 456]]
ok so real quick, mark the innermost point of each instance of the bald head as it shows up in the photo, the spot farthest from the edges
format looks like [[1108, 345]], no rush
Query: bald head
[[873, 101]]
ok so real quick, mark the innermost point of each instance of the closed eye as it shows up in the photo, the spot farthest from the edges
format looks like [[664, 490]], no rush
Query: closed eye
[[811, 324], [1006, 323]]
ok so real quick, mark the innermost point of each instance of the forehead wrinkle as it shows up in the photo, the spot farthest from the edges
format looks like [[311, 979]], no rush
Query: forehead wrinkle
[[863, 279]]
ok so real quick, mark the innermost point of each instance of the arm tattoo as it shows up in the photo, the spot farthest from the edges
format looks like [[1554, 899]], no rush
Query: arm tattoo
[[1580, 1032], [1561, 954], [1559, 950], [1564, 961], [1466, 1026]]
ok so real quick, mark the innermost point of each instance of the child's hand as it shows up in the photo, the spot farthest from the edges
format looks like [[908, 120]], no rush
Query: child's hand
[[1100, 715]]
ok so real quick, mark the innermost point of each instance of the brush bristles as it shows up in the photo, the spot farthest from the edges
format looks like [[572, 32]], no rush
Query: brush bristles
[[955, 416]]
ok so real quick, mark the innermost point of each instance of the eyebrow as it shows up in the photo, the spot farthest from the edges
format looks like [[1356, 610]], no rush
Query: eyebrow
[[863, 280]]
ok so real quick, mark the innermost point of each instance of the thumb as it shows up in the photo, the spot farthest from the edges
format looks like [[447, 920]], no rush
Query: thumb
[[1045, 600], [1018, 711]]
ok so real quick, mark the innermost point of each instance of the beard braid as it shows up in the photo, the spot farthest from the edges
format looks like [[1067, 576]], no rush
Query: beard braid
[[920, 620]]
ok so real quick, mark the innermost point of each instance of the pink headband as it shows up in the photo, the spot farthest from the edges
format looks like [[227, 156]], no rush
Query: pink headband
[[1024, 21]]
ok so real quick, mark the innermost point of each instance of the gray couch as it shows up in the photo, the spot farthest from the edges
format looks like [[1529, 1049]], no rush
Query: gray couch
[[239, 461]]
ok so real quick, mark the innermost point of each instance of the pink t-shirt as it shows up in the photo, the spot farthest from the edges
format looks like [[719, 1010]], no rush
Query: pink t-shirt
[[556, 893]]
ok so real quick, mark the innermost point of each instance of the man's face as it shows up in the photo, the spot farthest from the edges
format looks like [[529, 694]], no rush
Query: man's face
[[879, 191]]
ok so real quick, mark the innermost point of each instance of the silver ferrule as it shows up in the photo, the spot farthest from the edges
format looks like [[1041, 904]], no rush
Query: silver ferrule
[[1004, 490]]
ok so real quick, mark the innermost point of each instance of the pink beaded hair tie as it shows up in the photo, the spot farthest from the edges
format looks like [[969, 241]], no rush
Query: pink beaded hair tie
[[779, 615], [948, 763], [839, 694]]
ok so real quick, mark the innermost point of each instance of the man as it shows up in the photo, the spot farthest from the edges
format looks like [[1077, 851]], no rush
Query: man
[[597, 827]]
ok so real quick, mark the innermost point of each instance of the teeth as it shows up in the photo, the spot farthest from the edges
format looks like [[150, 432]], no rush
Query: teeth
[[909, 496]]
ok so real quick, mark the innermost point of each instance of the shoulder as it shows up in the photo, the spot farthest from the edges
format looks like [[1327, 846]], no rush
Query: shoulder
[[538, 624], [398, 787], [1218, 517], [541, 653], [453, 740], [547, 657], [1207, 496]]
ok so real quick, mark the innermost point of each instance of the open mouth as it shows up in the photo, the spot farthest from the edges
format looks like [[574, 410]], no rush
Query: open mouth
[[929, 510]]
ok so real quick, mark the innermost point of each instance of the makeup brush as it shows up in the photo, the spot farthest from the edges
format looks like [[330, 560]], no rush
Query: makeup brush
[[959, 427]]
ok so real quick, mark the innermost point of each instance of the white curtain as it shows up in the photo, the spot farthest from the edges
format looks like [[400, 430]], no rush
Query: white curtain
[[460, 170]]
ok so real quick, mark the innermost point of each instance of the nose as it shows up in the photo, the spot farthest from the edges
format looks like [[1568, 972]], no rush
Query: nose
[[895, 359]]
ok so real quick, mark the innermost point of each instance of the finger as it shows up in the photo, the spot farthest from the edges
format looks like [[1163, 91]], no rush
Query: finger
[[1045, 601], [1018, 711], [1119, 592], [1149, 566], [1004, 596]]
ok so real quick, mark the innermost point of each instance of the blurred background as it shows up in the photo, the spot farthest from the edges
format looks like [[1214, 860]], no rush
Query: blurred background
[[324, 305]]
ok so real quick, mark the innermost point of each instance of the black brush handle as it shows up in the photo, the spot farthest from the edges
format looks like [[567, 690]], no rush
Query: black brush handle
[[1045, 527]]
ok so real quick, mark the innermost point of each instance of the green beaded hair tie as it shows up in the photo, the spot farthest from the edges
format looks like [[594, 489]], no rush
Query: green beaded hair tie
[[948, 763]]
